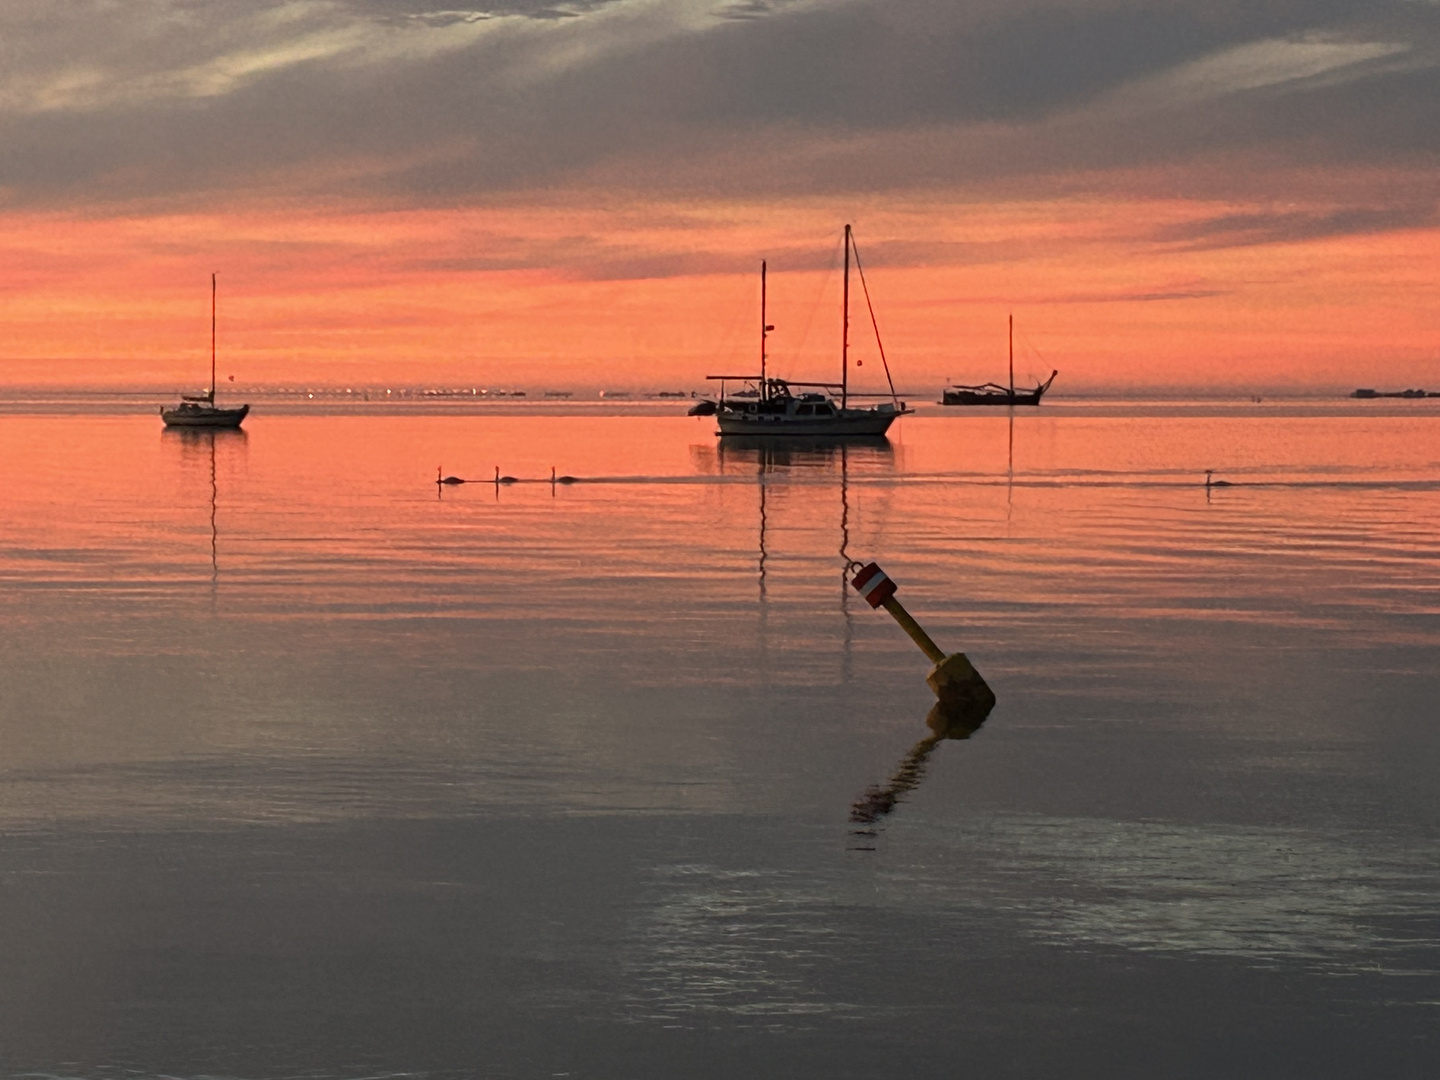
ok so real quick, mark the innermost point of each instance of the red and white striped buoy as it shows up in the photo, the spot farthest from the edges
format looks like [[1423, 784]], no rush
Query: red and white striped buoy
[[871, 583]]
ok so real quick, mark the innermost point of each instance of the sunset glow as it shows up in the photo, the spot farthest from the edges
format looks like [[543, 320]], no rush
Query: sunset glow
[[397, 195]]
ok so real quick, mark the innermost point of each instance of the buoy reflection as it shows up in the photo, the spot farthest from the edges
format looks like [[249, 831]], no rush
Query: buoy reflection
[[946, 721]]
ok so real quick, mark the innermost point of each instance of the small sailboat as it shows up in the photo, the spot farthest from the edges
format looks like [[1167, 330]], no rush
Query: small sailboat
[[994, 393], [200, 410], [771, 407]]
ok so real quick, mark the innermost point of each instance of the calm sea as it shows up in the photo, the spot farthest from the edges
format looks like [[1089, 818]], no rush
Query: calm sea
[[311, 768]]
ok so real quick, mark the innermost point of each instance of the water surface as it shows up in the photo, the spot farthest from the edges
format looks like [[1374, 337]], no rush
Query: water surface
[[313, 767]]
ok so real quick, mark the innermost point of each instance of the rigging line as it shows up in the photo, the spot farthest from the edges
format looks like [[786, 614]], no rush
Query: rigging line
[[1033, 348], [871, 308], [832, 268]]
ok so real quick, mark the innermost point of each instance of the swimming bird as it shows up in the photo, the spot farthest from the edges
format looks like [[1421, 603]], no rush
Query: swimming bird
[[504, 479], [560, 479], [1209, 483], [447, 479]]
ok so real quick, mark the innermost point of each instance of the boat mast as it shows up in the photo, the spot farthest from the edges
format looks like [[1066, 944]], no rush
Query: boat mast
[[212, 336], [1012, 358], [845, 326]]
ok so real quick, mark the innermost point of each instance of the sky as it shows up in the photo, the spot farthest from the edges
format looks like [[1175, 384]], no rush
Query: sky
[[1239, 196]]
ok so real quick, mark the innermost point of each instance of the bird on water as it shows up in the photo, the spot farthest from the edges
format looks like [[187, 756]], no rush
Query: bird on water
[[560, 479], [1209, 482], [504, 479], [446, 479]]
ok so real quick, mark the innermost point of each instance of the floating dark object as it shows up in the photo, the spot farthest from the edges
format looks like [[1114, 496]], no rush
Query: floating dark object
[[560, 479], [439, 479], [504, 479], [1410, 395], [994, 393], [1210, 482]]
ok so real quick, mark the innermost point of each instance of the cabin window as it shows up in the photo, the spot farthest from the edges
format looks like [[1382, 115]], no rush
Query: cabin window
[[805, 410], [824, 410]]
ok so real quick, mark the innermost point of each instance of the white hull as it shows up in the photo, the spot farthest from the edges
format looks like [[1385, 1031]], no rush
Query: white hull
[[858, 422]]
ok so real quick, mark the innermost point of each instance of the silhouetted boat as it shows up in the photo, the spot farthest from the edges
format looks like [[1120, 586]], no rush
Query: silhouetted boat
[[994, 393], [770, 408], [200, 410], [1408, 394]]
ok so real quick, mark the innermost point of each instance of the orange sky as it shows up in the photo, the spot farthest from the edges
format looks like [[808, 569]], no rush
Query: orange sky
[[660, 294], [1166, 193]]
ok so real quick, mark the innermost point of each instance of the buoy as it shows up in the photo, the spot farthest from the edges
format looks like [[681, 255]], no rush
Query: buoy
[[953, 678]]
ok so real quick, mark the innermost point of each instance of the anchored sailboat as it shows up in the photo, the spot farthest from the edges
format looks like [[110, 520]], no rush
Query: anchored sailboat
[[770, 407], [994, 393], [200, 410]]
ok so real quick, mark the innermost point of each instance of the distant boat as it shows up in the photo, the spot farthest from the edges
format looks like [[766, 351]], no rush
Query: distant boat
[[200, 410], [994, 393], [1408, 394], [770, 409], [557, 393]]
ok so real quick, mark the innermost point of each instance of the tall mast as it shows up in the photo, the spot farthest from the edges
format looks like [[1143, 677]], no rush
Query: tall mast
[[212, 336], [1012, 358], [764, 389], [845, 327]]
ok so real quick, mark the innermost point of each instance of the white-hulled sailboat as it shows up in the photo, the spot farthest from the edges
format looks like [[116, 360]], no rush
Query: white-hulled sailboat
[[771, 407], [200, 410]]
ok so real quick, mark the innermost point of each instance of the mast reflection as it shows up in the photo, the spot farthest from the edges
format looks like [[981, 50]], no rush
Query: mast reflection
[[809, 458], [201, 445], [765, 457], [956, 721]]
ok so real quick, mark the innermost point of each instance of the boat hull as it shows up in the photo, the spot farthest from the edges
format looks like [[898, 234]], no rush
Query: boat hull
[[851, 423], [970, 397], [994, 394], [183, 417]]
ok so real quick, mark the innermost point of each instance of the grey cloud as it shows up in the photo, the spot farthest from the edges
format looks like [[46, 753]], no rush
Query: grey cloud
[[1288, 226], [391, 100], [1119, 296]]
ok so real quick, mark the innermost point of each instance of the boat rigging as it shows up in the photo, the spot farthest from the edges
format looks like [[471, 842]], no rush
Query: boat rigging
[[995, 394], [200, 410], [771, 407]]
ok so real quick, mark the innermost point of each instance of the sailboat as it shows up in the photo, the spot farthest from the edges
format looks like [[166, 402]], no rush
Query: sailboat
[[994, 393], [200, 410], [771, 407]]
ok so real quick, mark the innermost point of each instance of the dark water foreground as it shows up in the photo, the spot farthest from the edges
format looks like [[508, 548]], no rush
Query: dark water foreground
[[308, 768]]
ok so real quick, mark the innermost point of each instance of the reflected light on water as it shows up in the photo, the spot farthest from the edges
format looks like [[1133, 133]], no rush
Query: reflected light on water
[[303, 750]]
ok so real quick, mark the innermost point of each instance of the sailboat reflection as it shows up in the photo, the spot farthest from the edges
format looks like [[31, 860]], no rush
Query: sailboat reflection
[[739, 454], [945, 722], [800, 452], [202, 443]]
